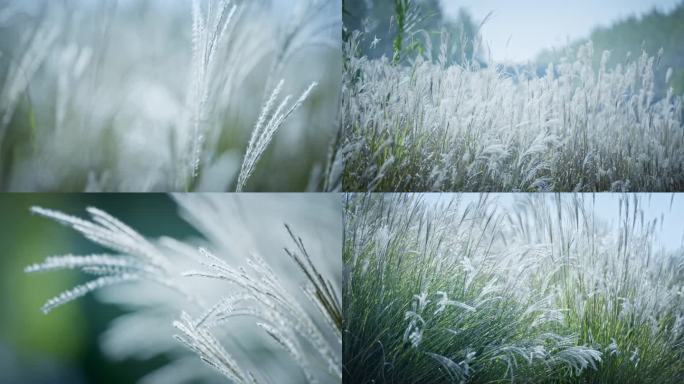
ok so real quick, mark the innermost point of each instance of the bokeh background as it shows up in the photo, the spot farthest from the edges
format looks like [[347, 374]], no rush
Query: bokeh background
[[95, 95], [64, 346]]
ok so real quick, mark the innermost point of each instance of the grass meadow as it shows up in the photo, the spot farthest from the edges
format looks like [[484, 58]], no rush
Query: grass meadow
[[429, 118], [524, 289]]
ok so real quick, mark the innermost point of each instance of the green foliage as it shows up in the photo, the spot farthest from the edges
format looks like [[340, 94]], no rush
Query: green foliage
[[406, 29], [438, 290], [400, 8], [61, 337]]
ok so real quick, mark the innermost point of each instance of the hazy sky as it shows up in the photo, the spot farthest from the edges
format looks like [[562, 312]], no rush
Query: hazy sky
[[534, 25], [655, 205]]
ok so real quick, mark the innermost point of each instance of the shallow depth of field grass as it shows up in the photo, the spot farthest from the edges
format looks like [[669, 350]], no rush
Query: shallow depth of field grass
[[167, 95], [427, 123], [439, 290], [247, 292]]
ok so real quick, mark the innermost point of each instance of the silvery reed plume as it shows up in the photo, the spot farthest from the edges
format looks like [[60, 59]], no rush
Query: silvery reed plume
[[201, 95], [236, 314], [471, 289], [466, 124]]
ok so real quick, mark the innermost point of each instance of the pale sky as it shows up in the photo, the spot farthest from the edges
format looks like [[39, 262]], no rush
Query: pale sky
[[606, 207], [535, 25]]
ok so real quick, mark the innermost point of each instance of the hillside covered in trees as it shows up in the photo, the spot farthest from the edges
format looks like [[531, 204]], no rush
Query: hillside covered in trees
[[415, 27], [628, 38]]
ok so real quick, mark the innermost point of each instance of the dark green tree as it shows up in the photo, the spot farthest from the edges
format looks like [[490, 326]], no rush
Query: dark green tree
[[401, 29]]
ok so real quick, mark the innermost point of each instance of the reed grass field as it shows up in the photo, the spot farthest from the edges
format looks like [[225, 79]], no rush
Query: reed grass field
[[438, 114], [469, 289]]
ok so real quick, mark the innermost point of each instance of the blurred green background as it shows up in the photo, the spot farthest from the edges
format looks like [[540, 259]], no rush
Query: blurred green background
[[62, 346]]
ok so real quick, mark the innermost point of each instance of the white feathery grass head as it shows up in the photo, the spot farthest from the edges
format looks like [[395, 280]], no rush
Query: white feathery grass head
[[268, 123], [209, 349], [208, 34], [90, 80], [225, 312], [138, 258], [261, 295], [465, 128]]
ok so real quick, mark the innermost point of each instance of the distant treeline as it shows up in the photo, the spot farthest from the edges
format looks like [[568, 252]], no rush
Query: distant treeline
[[629, 37], [391, 25]]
